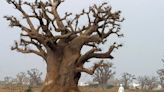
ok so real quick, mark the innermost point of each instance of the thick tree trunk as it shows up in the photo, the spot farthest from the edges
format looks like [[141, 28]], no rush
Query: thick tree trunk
[[61, 74], [63, 83]]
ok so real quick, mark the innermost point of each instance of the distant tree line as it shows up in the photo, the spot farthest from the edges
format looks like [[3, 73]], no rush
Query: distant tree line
[[30, 78], [104, 75]]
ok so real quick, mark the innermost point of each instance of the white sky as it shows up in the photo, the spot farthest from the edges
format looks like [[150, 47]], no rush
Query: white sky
[[143, 42]]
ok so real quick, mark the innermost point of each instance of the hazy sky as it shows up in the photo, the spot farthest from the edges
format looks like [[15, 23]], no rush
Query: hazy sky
[[143, 42]]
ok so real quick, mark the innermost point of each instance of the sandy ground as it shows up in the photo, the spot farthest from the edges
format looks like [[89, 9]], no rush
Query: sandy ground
[[83, 89]]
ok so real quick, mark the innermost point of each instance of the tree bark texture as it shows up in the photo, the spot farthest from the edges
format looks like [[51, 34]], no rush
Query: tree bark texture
[[61, 71]]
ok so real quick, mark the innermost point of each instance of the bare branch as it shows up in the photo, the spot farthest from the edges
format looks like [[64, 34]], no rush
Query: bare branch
[[36, 44], [27, 50], [55, 4], [18, 6], [102, 22], [91, 71], [83, 58], [92, 54]]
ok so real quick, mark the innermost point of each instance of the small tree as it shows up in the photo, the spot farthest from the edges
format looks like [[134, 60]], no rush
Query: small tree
[[141, 80], [35, 77], [103, 74], [126, 79], [7, 81], [151, 82], [160, 73], [22, 79]]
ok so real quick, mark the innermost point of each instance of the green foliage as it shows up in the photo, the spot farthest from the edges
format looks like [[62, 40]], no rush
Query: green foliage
[[29, 89]]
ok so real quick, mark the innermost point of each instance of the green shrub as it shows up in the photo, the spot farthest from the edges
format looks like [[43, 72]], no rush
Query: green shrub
[[29, 89]]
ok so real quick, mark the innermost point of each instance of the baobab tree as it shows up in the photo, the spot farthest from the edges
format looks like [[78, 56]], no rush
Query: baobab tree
[[59, 40], [35, 77], [103, 74], [127, 78]]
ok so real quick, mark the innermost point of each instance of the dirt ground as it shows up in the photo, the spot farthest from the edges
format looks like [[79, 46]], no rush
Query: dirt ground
[[83, 89], [114, 89]]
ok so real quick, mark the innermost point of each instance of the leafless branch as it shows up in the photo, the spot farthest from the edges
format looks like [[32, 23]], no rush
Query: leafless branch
[[28, 50], [92, 54], [91, 71]]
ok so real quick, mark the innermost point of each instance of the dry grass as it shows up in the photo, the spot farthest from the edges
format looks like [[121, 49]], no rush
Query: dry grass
[[83, 89], [17, 89], [114, 89]]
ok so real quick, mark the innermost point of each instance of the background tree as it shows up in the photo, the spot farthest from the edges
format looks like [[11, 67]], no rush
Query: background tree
[[151, 82], [160, 73], [141, 80], [35, 77], [22, 79], [103, 74], [8, 81], [126, 79], [59, 40]]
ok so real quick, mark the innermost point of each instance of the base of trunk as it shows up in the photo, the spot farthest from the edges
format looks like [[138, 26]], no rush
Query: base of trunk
[[63, 83], [56, 88]]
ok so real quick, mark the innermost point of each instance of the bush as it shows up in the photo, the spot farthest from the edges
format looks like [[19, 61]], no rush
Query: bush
[[29, 89], [109, 86]]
